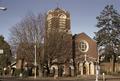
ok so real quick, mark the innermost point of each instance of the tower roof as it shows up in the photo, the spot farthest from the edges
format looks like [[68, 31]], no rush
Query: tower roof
[[57, 10]]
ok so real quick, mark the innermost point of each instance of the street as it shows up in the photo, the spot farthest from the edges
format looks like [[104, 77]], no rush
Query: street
[[89, 78]]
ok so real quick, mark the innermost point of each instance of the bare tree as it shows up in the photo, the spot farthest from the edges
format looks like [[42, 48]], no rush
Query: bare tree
[[22, 38], [58, 47]]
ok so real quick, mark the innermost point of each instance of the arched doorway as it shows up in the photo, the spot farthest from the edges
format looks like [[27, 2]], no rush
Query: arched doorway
[[84, 70], [60, 70], [71, 70], [54, 70], [91, 68]]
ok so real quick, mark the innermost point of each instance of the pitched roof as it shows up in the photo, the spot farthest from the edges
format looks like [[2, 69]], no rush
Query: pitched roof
[[84, 34]]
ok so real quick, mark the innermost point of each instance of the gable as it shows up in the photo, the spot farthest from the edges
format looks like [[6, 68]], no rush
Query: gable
[[92, 46]]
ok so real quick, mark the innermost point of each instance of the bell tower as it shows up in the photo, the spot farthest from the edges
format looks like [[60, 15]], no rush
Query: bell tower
[[58, 19], [58, 37]]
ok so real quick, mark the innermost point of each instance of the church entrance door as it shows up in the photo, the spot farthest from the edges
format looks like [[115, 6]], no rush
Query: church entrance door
[[84, 70]]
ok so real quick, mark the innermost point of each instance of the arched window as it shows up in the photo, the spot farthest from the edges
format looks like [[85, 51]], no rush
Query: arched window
[[62, 21]]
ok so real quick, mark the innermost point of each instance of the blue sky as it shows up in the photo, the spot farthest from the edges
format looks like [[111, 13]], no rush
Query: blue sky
[[83, 13]]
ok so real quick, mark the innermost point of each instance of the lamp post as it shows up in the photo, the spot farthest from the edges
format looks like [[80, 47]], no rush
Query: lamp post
[[96, 71], [97, 66], [35, 62], [1, 52], [3, 8]]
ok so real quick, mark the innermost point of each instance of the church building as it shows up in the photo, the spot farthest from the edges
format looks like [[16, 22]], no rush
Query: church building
[[67, 54], [64, 54]]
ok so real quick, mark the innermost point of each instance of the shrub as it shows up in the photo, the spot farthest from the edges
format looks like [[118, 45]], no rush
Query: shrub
[[17, 72]]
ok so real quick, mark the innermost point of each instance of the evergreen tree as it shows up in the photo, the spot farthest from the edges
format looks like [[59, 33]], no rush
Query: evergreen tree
[[108, 35], [6, 57]]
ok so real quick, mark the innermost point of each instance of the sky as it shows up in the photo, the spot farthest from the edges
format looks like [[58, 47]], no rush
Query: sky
[[83, 13]]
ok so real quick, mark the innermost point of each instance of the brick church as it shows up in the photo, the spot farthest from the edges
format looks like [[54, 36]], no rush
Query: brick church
[[67, 54]]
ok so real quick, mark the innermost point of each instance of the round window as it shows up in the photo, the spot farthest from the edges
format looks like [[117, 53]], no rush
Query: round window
[[83, 46]]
